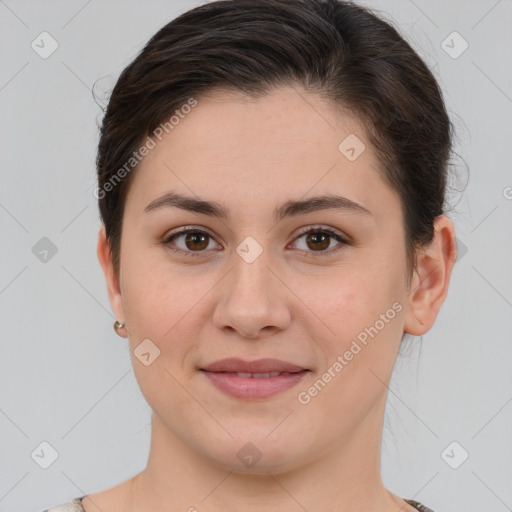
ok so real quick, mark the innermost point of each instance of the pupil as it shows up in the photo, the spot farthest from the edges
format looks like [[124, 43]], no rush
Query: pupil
[[314, 237], [199, 236]]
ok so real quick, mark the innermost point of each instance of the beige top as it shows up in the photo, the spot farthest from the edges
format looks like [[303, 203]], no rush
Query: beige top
[[75, 505]]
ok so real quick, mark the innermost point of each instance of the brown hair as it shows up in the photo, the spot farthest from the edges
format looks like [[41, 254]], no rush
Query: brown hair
[[335, 48]]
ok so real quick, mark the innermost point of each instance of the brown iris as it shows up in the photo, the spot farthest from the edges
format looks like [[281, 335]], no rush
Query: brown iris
[[196, 237], [319, 238]]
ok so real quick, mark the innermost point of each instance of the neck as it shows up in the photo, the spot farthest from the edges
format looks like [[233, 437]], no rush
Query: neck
[[345, 478]]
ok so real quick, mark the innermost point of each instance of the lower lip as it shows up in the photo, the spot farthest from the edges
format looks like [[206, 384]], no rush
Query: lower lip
[[253, 388]]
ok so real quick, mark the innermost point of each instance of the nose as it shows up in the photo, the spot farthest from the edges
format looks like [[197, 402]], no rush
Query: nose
[[252, 300]]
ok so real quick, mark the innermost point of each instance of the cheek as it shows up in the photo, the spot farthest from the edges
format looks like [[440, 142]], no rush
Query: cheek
[[160, 310], [349, 300], [153, 297], [359, 355], [165, 305], [362, 317]]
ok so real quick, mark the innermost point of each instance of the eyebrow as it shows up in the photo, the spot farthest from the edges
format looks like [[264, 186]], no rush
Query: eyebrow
[[288, 209]]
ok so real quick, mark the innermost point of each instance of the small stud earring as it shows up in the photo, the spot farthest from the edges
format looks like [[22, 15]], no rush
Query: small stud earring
[[119, 325]]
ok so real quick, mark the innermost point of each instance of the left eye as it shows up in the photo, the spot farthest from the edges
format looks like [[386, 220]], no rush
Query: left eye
[[196, 241], [320, 239]]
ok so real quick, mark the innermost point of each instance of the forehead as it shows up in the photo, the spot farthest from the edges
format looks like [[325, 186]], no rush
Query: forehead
[[281, 145], [286, 114]]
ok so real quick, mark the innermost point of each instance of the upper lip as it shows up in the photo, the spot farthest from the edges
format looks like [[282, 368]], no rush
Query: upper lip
[[234, 365]]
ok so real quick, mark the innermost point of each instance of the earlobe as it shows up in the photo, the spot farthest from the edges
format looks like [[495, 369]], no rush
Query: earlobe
[[105, 259], [431, 278]]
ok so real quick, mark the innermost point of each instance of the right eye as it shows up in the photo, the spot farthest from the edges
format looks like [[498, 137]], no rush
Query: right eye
[[195, 241]]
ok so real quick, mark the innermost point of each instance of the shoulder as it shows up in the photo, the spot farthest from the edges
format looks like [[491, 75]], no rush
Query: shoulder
[[419, 506], [75, 505]]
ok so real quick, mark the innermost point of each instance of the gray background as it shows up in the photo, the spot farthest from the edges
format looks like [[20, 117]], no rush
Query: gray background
[[66, 378]]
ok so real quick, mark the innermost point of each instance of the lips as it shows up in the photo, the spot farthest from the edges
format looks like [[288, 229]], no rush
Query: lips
[[259, 375], [256, 368], [253, 380]]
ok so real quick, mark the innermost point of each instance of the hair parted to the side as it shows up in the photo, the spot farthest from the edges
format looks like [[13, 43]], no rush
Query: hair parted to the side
[[335, 48]]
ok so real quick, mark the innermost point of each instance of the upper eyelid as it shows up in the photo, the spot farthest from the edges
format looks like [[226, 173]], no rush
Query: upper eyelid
[[333, 231]]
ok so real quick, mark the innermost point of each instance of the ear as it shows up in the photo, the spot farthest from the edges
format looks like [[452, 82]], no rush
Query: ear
[[431, 278], [114, 290]]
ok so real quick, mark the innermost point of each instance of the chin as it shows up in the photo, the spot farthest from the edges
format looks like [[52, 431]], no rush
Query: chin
[[256, 453]]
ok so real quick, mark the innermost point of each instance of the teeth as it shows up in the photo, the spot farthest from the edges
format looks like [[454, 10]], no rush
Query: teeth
[[247, 375]]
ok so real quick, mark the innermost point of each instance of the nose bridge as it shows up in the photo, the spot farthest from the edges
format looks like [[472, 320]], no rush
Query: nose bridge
[[252, 298], [251, 279]]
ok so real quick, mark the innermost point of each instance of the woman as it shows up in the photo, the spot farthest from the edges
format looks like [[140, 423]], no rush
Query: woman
[[271, 180]]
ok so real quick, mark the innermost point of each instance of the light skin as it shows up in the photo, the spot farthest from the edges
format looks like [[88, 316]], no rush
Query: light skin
[[250, 156]]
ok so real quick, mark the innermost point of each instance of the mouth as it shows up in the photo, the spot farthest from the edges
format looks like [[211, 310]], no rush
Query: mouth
[[260, 375], [253, 380]]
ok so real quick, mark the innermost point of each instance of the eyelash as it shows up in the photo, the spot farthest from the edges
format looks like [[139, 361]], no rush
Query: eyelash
[[309, 254]]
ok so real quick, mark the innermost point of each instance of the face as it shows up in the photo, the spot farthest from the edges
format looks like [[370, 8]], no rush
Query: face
[[322, 288]]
